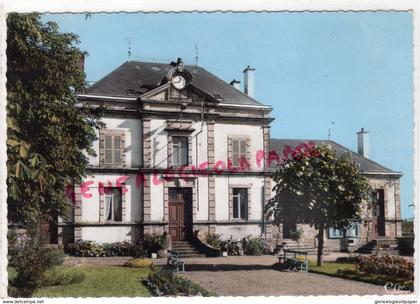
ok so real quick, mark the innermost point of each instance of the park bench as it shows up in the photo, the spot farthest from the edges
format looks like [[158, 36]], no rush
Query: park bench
[[175, 262], [294, 259]]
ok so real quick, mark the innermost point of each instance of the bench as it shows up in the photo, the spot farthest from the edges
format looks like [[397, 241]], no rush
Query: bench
[[293, 259], [175, 262]]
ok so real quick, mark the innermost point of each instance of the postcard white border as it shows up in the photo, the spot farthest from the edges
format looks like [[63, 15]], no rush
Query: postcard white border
[[108, 6]]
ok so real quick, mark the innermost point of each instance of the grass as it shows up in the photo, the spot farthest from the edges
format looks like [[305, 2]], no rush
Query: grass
[[329, 268], [99, 281]]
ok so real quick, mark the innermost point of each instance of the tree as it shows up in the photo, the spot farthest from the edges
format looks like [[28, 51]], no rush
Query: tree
[[320, 189], [49, 135]]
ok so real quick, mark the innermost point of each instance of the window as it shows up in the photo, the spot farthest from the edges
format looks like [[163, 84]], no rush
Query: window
[[113, 204], [240, 203], [112, 149], [352, 231], [238, 151], [179, 150]]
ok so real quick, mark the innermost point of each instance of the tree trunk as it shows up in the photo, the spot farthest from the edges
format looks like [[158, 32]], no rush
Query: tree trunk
[[320, 244]]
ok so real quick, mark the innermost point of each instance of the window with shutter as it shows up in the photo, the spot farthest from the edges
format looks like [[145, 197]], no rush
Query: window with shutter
[[112, 148], [239, 151]]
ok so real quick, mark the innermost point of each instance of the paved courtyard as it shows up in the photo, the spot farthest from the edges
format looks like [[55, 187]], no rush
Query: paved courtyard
[[254, 276]]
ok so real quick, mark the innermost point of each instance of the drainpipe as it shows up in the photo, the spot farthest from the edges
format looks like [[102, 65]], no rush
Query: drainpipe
[[196, 151], [395, 208], [264, 230]]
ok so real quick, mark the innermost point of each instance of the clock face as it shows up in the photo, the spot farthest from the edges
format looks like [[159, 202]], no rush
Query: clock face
[[179, 82]]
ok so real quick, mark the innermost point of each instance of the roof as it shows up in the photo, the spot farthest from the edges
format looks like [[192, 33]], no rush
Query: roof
[[142, 77], [366, 165]]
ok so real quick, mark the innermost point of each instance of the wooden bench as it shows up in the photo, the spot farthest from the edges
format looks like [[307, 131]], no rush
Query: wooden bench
[[292, 259], [175, 262]]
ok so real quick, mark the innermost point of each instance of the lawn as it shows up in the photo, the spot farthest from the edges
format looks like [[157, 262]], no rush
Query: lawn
[[328, 268], [99, 281]]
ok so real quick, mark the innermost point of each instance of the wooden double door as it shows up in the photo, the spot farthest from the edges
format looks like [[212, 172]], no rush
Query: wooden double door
[[180, 213]]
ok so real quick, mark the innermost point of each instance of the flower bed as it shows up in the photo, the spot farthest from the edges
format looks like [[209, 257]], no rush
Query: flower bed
[[150, 244], [165, 282], [386, 265], [249, 245]]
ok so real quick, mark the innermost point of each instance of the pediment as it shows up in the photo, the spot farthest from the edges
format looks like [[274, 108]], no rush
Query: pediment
[[166, 92]]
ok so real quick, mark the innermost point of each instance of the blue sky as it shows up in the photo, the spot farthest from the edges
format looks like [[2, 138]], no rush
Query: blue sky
[[353, 69]]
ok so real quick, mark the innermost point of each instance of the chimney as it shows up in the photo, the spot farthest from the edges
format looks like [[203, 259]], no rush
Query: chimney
[[236, 84], [249, 81], [363, 143]]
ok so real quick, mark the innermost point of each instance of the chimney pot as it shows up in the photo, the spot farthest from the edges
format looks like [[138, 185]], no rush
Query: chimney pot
[[363, 143], [249, 81]]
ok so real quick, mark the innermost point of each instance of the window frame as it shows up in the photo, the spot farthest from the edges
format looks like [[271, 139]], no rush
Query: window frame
[[334, 233], [111, 192], [182, 140], [241, 143], [238, 197]]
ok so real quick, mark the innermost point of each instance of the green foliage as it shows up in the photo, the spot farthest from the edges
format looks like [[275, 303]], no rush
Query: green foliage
[[213, 239], [406, 246], [255, 245], [233, 247], [139, 263], [150, 244], [316, 187], [165, 282], [296, 235], [155, 243], [12, 244], [31, 262], [47, 132], [407, 227], [386, 265]]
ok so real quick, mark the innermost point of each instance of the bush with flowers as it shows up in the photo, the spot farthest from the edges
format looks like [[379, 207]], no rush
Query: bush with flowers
[[386, 265]]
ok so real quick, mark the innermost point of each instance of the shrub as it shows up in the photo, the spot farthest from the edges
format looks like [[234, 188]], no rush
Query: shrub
[[214, 240], [254, 245], [138, 263], [151, 243], [386, 265], [137, 250], [154, 243], [406, 246], [233, 247], [86, 249], [31, 262], [11, 245], [165, 282]]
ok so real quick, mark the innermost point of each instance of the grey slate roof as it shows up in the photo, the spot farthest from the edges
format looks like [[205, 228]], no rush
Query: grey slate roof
[[365, 164], [142, 77]]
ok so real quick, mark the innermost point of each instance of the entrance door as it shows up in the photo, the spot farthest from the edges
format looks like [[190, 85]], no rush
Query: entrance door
[[180, 213], [378, 223]]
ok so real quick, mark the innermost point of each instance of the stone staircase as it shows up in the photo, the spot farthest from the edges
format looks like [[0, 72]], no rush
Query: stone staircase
[[186, 250], [385, 245]]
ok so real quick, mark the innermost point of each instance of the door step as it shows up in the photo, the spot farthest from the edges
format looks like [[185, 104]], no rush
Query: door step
[[186, 250]]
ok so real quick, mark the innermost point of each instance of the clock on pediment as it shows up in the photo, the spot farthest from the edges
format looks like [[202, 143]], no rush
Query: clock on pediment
[[179, 81], [179, 76]]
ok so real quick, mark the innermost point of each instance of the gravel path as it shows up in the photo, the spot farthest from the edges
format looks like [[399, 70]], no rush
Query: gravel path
[[254, 276]]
